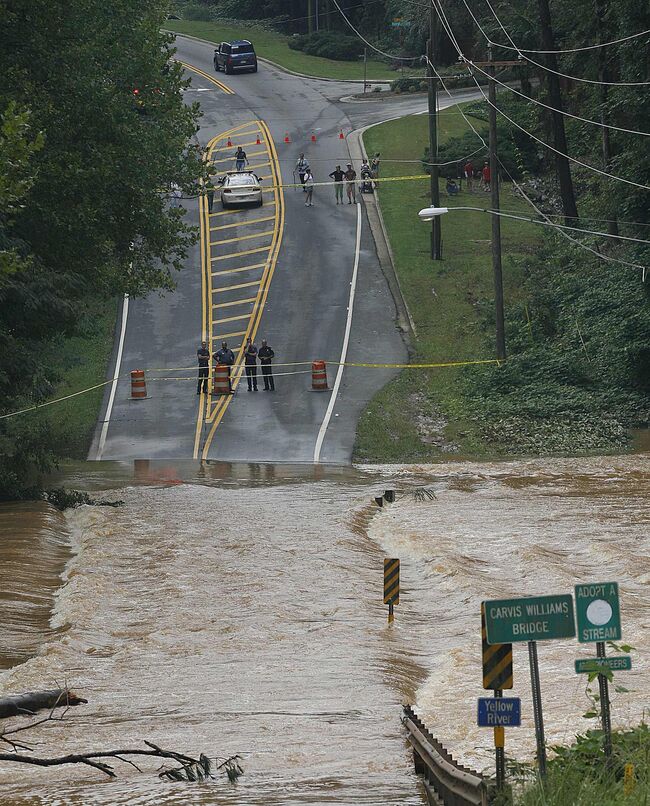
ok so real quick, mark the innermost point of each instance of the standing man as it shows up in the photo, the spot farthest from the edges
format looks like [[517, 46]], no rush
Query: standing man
[[241, 160], [374, 166], [225, 357], [468, 170], [266, 355], [250, 364], [210, 195], [302, 168], [309, 187], [350, 187], [486, 176], [337, 175], [203, 357]]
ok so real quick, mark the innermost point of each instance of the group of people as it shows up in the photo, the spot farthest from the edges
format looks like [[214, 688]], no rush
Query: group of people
[[482, 174], [342, 178], [226, 357]]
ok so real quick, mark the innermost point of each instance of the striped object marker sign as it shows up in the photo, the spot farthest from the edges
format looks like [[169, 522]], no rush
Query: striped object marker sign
[[391, 585], [497, 661]]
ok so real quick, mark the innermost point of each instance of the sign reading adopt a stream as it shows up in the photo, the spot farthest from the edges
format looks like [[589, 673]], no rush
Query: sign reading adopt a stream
[[598, 612], [537, 618]]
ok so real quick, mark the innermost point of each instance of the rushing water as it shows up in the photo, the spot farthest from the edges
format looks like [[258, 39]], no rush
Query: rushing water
[[237, 609]]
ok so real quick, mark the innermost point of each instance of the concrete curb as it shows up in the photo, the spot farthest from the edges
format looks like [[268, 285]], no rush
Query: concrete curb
[[380, 235], [286, 69]]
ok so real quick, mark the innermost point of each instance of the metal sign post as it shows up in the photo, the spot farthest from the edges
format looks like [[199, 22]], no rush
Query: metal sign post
[[599, 619], [538, 618], [538, 715], [497, 675]]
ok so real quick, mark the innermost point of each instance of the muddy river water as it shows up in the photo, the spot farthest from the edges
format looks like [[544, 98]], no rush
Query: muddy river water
[[238, 609]]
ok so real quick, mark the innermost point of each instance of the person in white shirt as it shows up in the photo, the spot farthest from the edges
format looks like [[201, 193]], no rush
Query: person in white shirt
[[309, 188]]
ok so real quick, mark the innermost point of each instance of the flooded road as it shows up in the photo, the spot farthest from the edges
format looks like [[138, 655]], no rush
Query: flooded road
[[238, 609]]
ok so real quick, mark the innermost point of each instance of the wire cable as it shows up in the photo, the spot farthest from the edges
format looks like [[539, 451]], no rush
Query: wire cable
[[555, 109], [370, 45], [522, 54], [450, 33]]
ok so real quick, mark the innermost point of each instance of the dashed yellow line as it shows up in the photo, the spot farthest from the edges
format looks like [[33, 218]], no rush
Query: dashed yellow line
[[234, 287], [240, 268], [210, 78], [215, 417], [244, 223], [235, 302], [231, 335], [252, 154], [244, 237], [240, 254]]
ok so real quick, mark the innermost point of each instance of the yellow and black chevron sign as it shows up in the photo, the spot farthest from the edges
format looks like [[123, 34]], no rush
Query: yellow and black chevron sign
[[497, 662], [391, 581]]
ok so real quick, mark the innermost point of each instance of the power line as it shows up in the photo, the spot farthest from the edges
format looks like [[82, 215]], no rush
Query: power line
[[553, 109], [518, 49], [449, 30], [370, 45], [522, 55]]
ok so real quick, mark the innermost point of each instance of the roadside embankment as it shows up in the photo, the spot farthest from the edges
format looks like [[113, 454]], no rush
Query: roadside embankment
[[421, 415]]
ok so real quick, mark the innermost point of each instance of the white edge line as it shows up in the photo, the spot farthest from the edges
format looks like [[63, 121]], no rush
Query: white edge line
[[346, 339], [116, 374]]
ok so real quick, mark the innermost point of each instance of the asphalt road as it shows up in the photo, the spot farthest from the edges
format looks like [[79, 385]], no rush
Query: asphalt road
[[304, 314]]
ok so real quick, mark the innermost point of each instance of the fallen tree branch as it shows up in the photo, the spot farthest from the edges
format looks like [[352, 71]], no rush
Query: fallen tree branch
[[33, 701]]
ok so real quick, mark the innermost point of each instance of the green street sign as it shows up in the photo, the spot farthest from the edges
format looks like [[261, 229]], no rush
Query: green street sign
[[539, 618], [620, 664], [597, 612]]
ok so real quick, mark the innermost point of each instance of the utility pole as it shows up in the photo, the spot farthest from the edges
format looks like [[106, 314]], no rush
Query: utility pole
[[436, 240], [496, 220]]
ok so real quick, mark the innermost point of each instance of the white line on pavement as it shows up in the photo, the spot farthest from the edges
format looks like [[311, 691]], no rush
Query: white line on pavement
[[346, 339], [116, 374]]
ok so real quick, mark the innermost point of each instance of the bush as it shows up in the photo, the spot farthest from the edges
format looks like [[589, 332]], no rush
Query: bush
[[197, 13], [327, 45]]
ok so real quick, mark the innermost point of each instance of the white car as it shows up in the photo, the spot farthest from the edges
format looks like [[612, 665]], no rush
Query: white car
[[240, 187]]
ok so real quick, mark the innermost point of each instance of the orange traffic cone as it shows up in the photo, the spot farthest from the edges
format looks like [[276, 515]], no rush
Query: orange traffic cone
[[287, 139], [258, 142], [229, 143], [341, 135], [313, 137]]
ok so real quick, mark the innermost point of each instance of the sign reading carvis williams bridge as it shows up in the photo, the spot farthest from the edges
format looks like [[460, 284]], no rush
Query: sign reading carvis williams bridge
[[538, 618]]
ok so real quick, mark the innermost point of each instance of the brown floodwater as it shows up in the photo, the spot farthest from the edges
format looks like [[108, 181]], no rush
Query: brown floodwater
[[238, 609]]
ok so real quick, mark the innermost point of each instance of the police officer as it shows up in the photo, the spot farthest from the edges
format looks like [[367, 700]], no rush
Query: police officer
[[203, 357], [225, 357], [266, 355], [250, 364]]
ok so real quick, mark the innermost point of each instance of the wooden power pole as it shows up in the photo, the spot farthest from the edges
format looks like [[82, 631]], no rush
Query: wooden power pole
[[436, 240], [496, 221]]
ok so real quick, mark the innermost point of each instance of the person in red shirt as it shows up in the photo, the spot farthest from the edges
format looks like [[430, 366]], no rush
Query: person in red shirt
[[485, 175], [468, 170]]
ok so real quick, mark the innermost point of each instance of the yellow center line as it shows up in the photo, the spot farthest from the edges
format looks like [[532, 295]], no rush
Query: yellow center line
[[258, 165], [262, 294], [241, 268], [252, 154], [233, 287], [235, 302], [244, 223], [206, 313], [234, 318], [228, 335], [210, 78], [240, 254], [243, 237]]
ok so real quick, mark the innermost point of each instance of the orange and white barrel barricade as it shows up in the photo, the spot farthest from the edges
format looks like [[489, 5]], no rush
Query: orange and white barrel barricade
[[138, 385], [319, 376], [221, 380]]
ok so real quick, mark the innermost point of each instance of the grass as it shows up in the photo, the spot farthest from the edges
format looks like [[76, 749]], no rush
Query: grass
[[420, 415], [82, 362], [274, 47]]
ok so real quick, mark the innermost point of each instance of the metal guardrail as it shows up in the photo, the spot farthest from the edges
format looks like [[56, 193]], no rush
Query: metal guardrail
[[454, 784]]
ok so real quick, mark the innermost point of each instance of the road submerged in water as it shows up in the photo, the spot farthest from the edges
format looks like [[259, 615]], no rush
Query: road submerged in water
[[238, 609]]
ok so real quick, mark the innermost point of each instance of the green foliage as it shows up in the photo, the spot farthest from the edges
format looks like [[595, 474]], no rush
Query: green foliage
[[197, 12], [328, 45], [84, 171], [579, 774]]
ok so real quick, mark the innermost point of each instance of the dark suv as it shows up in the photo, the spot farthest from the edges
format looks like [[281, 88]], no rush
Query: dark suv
[[237, 55]]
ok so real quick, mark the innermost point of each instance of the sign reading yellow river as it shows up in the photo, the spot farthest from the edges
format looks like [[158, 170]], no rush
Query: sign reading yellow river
[[539, 618]]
